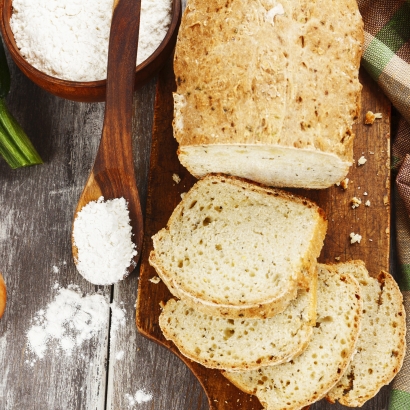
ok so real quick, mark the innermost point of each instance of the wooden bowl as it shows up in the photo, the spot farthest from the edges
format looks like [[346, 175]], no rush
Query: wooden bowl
[[87, 91]]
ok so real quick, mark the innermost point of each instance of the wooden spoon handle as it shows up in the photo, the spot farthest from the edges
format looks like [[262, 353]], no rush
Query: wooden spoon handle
[[115, 149]]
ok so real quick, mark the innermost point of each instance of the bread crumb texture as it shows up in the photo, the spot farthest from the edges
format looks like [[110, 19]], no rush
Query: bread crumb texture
[[370, 117], [176, 178], [355, 238], [355, 202], [240, 344], [381, 345], [240, 246], [308, 377], [257, 94]]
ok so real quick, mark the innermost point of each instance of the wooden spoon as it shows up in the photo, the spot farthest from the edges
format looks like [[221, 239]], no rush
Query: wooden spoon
[[112, 175]]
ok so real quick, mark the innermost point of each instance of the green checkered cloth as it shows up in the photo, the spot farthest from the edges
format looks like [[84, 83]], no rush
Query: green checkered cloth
[[386, 56]]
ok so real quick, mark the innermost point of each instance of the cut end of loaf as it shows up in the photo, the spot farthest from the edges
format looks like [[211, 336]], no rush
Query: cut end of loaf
[[277, 166], [246, 78]]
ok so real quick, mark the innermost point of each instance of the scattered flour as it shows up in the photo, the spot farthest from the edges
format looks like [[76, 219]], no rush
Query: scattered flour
[[119, 355], [102, 235], [117, 317], [67, 322], [70, 320], [139, 397], [68, 39]]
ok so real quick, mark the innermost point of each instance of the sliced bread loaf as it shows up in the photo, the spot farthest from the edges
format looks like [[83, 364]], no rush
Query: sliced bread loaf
[[308, 377], [268, 90], [237, 249], [241, 344], [381, 346]]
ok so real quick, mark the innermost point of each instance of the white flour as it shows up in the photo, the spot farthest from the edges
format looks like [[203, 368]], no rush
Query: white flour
[[68, 321], [68, 39], [139, 397], [102, 235]]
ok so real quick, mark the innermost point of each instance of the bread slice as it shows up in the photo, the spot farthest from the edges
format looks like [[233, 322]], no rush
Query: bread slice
[[381, 346], [236, 249], [241, 344], [268, 90], [308, 377]]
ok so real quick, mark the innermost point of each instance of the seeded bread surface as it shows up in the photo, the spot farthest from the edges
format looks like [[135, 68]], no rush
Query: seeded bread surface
[[268, 96], [238, 249], [381, 346], [308, 377]]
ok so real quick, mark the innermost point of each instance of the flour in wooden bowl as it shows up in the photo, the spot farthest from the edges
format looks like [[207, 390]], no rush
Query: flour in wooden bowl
[[68, 39], [102, 235]]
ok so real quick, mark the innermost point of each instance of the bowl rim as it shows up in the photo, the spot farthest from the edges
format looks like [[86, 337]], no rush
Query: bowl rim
[[8, 38]]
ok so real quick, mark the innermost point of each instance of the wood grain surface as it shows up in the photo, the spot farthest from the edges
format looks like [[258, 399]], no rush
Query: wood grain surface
[[367, 182], [36, 209]]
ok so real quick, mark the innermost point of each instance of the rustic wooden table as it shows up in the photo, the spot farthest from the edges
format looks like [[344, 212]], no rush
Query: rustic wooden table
[[36, 210]]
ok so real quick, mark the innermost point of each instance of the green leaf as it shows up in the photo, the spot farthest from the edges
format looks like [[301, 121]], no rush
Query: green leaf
[[15, 146]]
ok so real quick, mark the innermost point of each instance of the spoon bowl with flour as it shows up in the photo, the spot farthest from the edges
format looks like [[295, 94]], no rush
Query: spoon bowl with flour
[[108, 223]]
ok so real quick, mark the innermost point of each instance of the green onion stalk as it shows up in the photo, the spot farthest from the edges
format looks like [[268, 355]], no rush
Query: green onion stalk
[[15, 146]]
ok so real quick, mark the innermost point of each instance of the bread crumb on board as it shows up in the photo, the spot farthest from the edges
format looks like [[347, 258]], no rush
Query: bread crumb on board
[[361, 161], [355, 238], [155, 279], [370, 117], [386, 200], [344, 184], [367, 203], [176, 178], [355, 202]]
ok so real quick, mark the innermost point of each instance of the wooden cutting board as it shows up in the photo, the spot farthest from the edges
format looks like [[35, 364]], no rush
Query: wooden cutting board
[[371, 222]]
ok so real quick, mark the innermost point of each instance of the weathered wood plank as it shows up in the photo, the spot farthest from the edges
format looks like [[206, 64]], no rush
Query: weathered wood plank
[[36, 209]]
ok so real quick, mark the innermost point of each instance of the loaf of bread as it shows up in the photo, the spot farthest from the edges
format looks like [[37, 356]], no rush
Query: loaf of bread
[[381, 346], [308, 377], [268, 90], [241, 344], [3, 295], [237, 249]]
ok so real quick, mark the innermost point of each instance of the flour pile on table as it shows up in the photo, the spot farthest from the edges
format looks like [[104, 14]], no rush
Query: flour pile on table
[[70, 320], [102, 235], [139, 397], [68, 39]]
